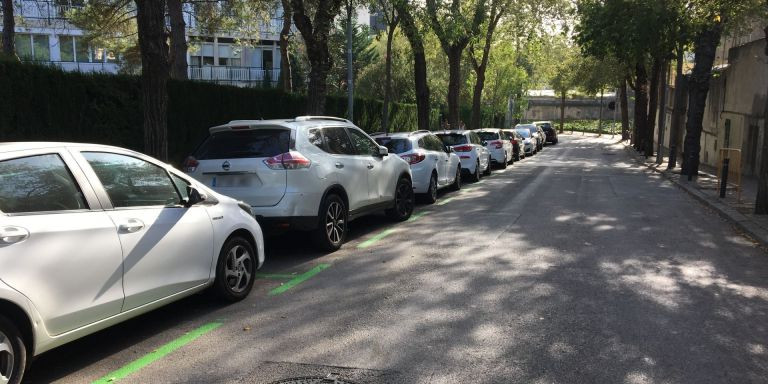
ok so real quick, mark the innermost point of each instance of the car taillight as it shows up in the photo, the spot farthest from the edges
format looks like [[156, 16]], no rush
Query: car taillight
[[462, 148], [288, 160], [190, 164], [497, 144], [414, 158], [514, 142]]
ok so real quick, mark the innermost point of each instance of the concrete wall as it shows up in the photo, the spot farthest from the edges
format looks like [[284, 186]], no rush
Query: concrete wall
[[548, 108]]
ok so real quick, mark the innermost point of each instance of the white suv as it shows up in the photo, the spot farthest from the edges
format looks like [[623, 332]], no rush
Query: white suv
[[308, 173], [433, 164], [92, 235], [473, 155], [497, 144]]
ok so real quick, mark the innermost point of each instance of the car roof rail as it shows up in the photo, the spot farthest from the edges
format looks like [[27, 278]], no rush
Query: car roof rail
[[376, 133], [419, 131], [333, 118]]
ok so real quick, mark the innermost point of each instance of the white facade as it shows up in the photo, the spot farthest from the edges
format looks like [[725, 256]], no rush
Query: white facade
[[44, 35]]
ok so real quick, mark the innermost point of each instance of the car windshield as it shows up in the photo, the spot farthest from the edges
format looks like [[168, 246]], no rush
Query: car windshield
[[451, 139], [525, 133], [545, 126], [395, 145], [244, 144], [486, 136]]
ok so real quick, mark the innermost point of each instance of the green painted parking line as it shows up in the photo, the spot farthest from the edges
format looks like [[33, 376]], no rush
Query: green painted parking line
[[155, 355], [298, 279], [416, 216], [446, 201], [279, 276], [376, 238]]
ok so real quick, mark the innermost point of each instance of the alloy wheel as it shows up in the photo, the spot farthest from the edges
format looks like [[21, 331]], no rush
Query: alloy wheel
[[237, 269], [335, 222], [404, 199], [433, 187], [6, 359]]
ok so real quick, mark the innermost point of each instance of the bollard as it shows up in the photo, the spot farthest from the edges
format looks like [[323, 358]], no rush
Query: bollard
[[724, 177]]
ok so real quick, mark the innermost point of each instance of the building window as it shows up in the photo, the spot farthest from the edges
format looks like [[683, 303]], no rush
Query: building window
[[229, 55], [81, 50], [266, 59], [74, 48], [33, 47]]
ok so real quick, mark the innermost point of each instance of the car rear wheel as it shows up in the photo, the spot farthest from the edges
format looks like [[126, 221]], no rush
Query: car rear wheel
[[457, 181], [431, 196], [476, 175], [332, 227], [488, 170], [235, 269], [404, 201], [504, 162], [13, 353]]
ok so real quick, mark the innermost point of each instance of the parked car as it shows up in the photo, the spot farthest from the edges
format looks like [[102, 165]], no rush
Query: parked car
[[549, 131], [473, 155], [309, 173], [499, 147], [517, 143], [536, 133], [433, 165], [530, 141], [92, 235]]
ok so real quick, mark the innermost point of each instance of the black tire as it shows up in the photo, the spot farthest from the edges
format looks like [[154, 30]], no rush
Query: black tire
[[517, 156], [475, 177], [237, 261], [12, 365], [504, 162], [332, 224], [488, 170], [403, 203], [431, 196], [457, 181]]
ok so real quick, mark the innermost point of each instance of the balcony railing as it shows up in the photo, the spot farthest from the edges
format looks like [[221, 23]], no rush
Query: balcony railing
[[43, 10], [234, 75]]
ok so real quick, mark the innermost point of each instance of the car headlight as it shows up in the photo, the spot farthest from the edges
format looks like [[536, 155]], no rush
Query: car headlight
[[245, 207]]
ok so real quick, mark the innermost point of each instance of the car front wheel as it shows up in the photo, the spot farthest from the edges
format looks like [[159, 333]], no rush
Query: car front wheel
[[488, 169], [13, 353], [332, 227], [402, 206], [476, 175], [431, 196], [235, 269], [457, 181]]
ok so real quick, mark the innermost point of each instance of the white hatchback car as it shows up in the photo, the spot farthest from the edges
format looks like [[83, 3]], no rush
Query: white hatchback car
[[433, 165], [497, 144], [530, 141], [473, 155], [308, 173], [91, 235]]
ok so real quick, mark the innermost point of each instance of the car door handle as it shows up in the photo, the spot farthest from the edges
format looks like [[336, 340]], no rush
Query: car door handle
[[131, 226], [370, 166], [339, 165], [12, 235]]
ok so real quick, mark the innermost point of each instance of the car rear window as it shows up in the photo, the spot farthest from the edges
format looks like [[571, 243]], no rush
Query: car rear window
[[545, 126], [488, 135], [451, 139], [245, 144], [395, 145], [524, 132]]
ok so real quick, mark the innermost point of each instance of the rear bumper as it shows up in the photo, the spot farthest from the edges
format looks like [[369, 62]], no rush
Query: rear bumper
[[276, 223], [497, 155]]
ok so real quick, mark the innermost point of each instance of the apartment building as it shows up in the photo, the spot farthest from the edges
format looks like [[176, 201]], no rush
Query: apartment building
[[45, 35]]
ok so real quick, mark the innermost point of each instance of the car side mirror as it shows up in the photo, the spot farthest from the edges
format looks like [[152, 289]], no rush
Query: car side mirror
[[383, 151], [449, 149], [485, 143], [193, 197]]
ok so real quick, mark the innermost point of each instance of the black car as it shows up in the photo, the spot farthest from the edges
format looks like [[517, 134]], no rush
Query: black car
[[549, 130]]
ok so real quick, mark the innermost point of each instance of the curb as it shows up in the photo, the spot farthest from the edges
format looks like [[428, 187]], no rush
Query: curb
[[733, 216]]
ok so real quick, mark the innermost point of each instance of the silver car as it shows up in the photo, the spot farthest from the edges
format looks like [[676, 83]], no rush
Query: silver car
[[309, 173], [92, 235]]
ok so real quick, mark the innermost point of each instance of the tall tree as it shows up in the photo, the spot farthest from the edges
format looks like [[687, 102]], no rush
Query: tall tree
[[391, 19], [455, 29], [315, 31], [150, 18], [761, 202], [496, 12], [285, 43], [9, 28], [406, 11], [623, 99], [178, 54]]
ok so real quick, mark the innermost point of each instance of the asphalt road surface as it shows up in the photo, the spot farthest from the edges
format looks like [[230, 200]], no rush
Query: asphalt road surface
[[573, 266]]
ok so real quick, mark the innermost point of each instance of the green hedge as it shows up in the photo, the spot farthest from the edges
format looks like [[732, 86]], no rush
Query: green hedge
[[45, 104]]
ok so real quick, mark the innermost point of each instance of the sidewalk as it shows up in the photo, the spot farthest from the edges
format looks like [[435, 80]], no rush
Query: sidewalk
[[706, 189]]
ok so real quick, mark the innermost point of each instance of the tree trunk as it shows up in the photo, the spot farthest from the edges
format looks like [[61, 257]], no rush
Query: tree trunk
[[705, 47], [477, 97], [761, 203], [178, 40], [653, 103], [414, 37], [285, 40], [454, 85], [678, 109], [388, 75], [150, 19], [624, 111], [350, 65], [9, 26], [662, 111], [600, 116], [563, 94], [641, 107]]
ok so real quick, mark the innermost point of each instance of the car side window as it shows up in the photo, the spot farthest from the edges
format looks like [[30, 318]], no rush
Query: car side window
[[434, 143], [475, 138], [132, 182], [39, 183], [181, 186], [337, 141], [315, 137], [363, 144]]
